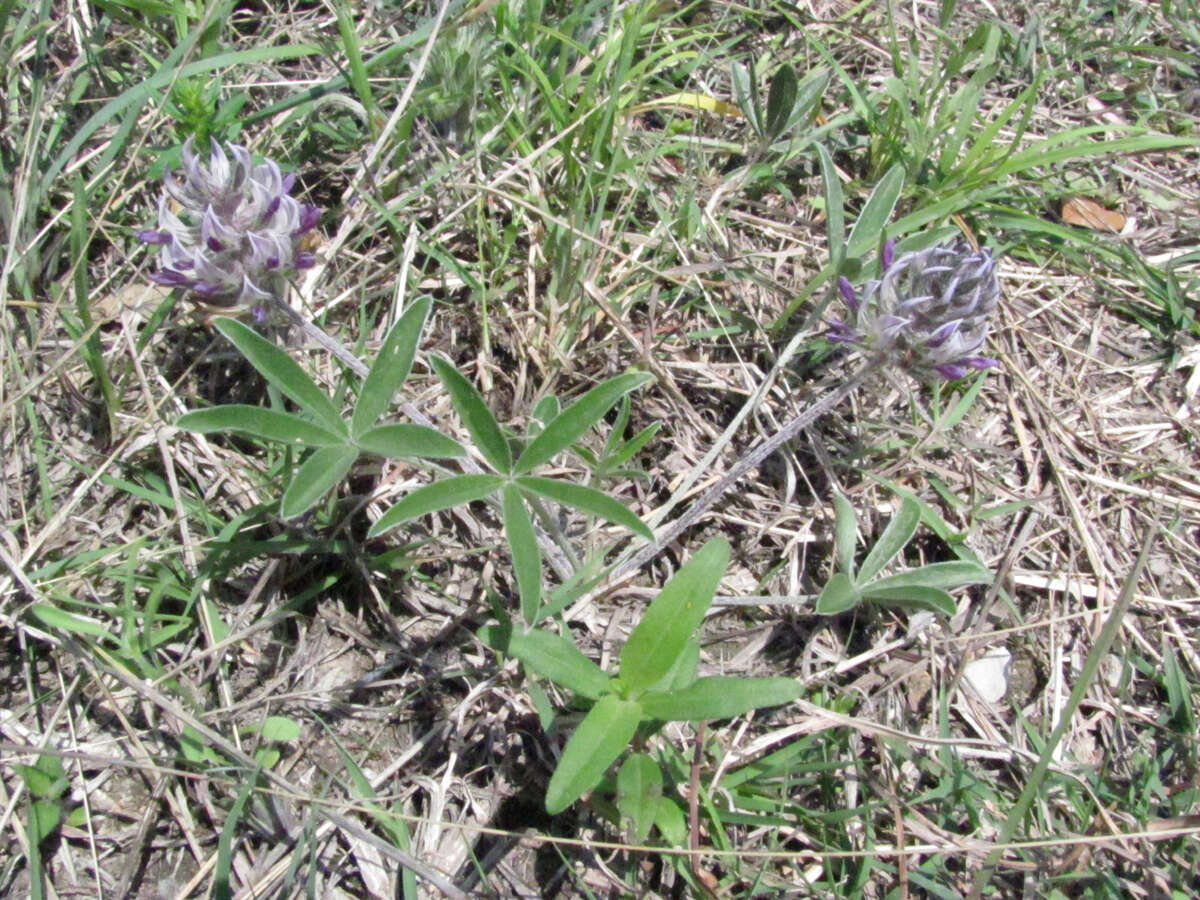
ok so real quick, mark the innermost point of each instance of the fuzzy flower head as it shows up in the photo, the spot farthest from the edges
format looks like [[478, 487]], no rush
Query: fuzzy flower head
[[928, 312], [227, 229]]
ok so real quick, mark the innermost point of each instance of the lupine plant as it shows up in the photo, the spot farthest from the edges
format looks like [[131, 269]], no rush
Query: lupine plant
[[230, 236]]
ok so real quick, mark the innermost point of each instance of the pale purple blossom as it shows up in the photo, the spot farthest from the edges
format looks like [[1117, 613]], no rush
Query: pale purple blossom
[[928, 311], [228, 231]]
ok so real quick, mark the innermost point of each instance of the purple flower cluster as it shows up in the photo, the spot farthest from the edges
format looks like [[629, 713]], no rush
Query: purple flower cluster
[[228, 230], [927, 312]]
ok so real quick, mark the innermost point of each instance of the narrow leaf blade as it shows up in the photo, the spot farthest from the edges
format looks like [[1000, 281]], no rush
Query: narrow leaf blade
[[844, 530], [639, 790], [944, 575], [672, 617], [408, 440], [283, 372], [550, 655], [320, 472], [719, 697], [268, 424], [440, 495], [391, 366], [476, 416], [868, 229], [588, 500], [838, 595], [781, 100], [526, 554], [570, 424], [898, 533], [600, 738], [913, 597]]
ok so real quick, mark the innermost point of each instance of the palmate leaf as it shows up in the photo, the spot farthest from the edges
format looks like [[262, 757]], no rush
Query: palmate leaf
[[587, 499], [476, 416], [283, 372], [600, 738], [315, 477], [258, 422], [391, 366], [440, 495], [570, 424], [526, 554], [672, 617]]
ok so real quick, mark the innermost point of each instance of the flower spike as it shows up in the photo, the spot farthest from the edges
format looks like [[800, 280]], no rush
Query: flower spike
[[928, 311], [228, 231]]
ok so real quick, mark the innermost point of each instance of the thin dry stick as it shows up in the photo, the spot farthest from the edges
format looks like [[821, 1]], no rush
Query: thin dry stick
[[744, 465]]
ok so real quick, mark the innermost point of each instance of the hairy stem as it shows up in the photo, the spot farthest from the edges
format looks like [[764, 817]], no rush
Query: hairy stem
[[673, 529]]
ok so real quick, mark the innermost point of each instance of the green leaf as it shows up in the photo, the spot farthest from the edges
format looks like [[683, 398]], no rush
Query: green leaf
[[835, 207], [588, 500], [44, 819], [670, 821], [269, 424], [683, 673], [476, 417], [550, 655], [57, 618], [391, 366], [838, 595], [898, 533], [719, 697], [868, 229], [315, 477], [280, 729], [601, 737], [912, 597], [403, 440], [283, 372], [526, 554], [672, 617], [639, 790], [448, 492], [1179, 694], [944, 575], [47, 779], [781, 100], [570, 424], [745, 91], [844, 529]]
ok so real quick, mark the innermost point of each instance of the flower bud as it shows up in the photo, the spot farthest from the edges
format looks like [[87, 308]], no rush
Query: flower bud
[[227, 230]]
